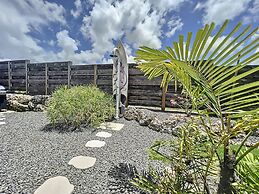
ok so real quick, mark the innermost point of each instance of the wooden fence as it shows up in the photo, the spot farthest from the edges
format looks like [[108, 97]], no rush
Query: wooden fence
[[44, 78]]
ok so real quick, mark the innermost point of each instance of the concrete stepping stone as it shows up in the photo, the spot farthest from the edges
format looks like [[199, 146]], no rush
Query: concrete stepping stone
[[2, 118], [95, 144], [2, 123], [82, 162], [103, 134], [55, 185], [111, 126]]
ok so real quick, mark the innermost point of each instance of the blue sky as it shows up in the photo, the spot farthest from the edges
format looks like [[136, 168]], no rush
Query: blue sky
[[85, 31]]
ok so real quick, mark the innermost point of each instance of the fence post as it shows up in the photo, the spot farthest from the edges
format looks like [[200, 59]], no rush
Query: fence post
[[163, 98], [26, 77], [68, 74], [95, 75], [46, 79], [9, 75]]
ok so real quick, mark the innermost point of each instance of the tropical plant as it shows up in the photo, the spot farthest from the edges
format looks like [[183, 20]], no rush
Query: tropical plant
[[184, 160], [210, 76], [248, 172], [80, 105]]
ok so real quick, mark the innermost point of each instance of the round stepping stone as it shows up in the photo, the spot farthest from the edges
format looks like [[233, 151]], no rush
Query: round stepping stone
[[103, 134], [111, 126], [55, 185], [2, 123], [82, 162], [95, 144]]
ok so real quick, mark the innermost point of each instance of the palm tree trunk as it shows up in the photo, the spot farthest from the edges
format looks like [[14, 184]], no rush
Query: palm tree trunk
[[227, 174]]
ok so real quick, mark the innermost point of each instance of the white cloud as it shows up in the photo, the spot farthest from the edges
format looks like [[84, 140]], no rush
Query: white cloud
[[136, 22], [252, 13], [70, 50], [51, 42], [173, 25], [166, 5], [18, 19], [76, 13], [219, 10]]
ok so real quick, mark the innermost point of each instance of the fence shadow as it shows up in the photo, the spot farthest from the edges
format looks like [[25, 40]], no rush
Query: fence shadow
[[120, 177]]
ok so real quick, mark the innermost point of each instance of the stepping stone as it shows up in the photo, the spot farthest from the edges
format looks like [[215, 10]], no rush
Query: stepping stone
[[95, 144], [2, 118], [55, 185], [111, 126], [103, 134], [2, 123], [82, 162]]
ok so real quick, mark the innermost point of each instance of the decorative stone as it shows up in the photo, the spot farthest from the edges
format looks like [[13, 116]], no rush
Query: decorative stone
[[16, 106], [156, 124], [55, 185], [39, 108], [103, 134], [112, 126], [20, 98], [95, 144], [131, 113], [31, 105], [2, 118], [40, 99], [2, 123], [82, 162]]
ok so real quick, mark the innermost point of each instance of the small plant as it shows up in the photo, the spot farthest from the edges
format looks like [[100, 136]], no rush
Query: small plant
[[80, 104], [184, 159]]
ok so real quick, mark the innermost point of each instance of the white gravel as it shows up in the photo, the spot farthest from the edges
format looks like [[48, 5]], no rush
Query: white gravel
[[29, 155]]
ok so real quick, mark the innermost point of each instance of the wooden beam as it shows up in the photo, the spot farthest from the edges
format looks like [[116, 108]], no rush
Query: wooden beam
[[95, 75], [26, 77], [9, 75], [46, 79], [68, 74], [163, 98]]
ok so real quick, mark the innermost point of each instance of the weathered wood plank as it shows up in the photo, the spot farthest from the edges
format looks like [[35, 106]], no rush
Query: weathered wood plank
[[57, 73], [82, 72], [104, 71], [82, 77], [82, 82], [57, 81], [36, 73], [104, 82], [82, 67]]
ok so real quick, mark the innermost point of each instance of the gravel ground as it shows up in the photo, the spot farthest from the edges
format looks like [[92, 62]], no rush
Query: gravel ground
[[30, 155]]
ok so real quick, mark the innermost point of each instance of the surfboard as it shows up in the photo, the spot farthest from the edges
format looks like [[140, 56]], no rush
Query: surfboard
[[120, 87]]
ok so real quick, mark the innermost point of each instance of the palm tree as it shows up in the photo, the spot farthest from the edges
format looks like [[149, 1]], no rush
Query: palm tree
[[209, 73]]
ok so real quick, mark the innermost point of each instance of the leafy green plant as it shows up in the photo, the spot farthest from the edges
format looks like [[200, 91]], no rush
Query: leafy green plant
[[80, 104], [184, 159], [210, 76], [248, 172]]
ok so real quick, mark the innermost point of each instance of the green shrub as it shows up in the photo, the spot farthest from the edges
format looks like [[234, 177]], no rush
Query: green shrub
[[80, 105]]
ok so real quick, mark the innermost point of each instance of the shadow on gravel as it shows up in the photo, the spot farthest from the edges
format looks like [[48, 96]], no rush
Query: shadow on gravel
[[63, 128], [120, 177]]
